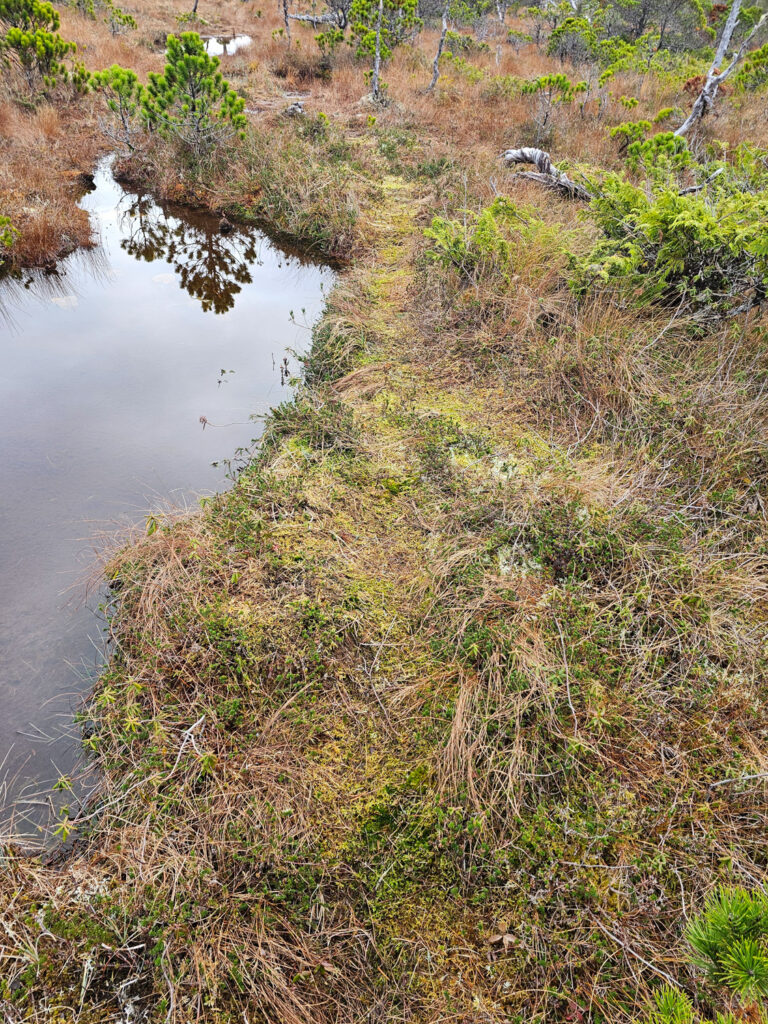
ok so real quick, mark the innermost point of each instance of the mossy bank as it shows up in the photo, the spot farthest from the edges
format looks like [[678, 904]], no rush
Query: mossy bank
[[426, 717], [453, 707]]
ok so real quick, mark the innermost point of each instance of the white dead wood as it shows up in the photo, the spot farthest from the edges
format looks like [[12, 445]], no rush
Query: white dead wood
[[315, 19], [440, 47], [376, 79], [715, 77], [546, 172]]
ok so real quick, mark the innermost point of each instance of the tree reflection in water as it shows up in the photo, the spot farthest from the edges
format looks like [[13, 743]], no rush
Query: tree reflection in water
[[211, 266]]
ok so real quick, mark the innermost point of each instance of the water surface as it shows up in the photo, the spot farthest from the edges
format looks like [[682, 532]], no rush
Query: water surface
[[124, 376], [226, 46]]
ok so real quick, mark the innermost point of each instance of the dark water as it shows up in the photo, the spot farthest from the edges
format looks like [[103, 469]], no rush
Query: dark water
[[107, 368]]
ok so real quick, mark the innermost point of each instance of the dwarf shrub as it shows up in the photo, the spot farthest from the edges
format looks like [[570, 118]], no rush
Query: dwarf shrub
[[398, 20], [476, 247], [29, 15], [40, 55], [124, 94], [7, 236], [753, 74], [706, 251], [575, 40], [191, 102], [730, 941]]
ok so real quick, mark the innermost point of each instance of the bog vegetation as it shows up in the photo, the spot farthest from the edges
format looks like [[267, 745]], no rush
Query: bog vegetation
[[453, 707]]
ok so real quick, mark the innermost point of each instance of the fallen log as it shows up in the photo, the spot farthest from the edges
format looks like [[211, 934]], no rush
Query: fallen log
[[315, 19], [546, 173]]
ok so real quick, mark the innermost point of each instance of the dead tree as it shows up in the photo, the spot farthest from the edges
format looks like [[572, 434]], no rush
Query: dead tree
[[440, 47], [715, 77], [286, 19], [376, 78], [546, 173]]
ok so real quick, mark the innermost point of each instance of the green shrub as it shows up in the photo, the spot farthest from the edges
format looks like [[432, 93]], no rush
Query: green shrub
[[672, 1007], [460, 42], [398, 20], [114, 16], [124, 95], [469, 71], [476, 247], [753, 74], [729, 940], [706, 251], [645, 55], [33, 45], [551, 90], [555, 88], [118, 19], [575, 40], [629, 131], [191, 101], [29, 15], [518, 39], [661, 156], [39, 54], [502, 87], [329, 41], [7, 237]]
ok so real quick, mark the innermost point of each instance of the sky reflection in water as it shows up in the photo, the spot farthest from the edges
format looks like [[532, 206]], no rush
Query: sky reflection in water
[[108, 368]]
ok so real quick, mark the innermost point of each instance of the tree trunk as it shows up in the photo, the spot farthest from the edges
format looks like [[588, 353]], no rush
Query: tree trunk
[[440, 45], [286, 20], [715, 77], [376, 79]]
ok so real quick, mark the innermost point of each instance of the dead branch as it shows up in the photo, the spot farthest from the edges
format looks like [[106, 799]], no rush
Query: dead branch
[[715, 77], [315, 19], [693, 189], [546, 173], [440, 47]]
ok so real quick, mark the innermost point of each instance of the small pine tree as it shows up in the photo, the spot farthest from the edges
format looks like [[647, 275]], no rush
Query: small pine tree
[[192, 102], [123, 93], [379, 26], [551, 90], [32, 44], [39, 54], [730, 941], [29, 15]]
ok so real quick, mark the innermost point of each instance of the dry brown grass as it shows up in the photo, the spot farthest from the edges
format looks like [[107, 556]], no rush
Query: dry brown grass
[[470, 122], [427, 719], [43, 152]]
